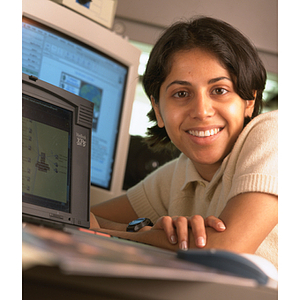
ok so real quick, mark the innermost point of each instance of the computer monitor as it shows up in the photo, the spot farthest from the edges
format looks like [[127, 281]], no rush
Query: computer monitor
[[74, 53], [56, 152]]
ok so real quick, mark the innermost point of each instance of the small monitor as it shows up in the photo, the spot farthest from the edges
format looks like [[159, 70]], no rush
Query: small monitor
[[56, 150]]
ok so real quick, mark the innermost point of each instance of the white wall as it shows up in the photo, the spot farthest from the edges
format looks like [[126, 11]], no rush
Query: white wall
[[144, 20]]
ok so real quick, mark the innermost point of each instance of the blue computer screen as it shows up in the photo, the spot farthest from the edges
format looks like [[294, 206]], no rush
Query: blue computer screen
[[71, 65]]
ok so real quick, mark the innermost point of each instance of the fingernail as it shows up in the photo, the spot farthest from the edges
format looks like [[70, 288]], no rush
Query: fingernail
[[201, 241], [221, 226], [183, 245], [173, 239]]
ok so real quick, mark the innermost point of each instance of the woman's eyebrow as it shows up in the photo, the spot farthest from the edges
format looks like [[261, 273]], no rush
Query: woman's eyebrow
[[218, 79], [180, 82]]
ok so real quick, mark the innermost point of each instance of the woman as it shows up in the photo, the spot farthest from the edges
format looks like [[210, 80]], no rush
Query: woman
[[205, 82]]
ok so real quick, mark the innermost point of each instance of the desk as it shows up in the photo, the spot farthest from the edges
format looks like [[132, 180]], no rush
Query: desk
[[58, 265]]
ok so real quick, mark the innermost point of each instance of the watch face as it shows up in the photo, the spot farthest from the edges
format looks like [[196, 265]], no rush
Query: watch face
[[137, 221]]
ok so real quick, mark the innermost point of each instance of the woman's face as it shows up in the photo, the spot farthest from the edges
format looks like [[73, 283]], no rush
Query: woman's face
[[200, 110]]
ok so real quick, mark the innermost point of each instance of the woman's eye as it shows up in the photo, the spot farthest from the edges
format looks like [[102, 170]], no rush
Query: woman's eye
[[181, 94], [219, 91]]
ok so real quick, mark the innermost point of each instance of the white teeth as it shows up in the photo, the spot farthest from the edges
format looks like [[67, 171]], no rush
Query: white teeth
[[204, 133]]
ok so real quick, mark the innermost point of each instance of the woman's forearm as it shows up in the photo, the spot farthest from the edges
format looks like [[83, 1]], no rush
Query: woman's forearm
[[146, 235], [111, 225]]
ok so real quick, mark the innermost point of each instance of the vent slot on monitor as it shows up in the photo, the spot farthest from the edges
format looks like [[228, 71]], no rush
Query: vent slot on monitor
[[85, 116]]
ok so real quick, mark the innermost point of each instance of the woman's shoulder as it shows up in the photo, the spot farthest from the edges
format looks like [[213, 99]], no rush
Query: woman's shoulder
[[262, 129], [253, 162], [258, 142], [268, 115], [268, 120]]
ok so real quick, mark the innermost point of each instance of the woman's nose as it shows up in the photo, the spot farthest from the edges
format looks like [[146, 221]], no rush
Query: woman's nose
[[201, 106]]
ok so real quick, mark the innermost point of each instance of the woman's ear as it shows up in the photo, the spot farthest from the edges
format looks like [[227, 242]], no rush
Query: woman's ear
[[250, 104], [159, 118]]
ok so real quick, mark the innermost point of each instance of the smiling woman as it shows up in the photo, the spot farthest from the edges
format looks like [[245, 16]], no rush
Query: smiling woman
[[234, 52], [205, 82]]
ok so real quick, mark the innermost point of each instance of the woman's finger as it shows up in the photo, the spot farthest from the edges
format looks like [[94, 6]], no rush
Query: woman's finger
[[166, 223], [198, 228], [181, 224], [215, 223]]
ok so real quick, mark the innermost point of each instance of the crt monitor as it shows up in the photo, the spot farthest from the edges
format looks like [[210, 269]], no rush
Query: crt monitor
[[76, 54], [56, 149]]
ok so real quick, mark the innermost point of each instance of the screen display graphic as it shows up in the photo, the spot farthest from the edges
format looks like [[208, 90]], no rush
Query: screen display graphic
[[46, 140]]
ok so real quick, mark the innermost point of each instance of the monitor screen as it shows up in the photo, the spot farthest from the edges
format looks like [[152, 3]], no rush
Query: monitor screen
[[56, 153], [46, 152], [71, 65]]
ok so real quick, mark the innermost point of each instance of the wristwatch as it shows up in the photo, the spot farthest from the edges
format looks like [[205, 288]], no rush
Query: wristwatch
[[137, 224]]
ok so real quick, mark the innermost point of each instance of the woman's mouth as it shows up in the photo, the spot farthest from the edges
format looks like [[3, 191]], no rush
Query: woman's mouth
[[205, 133]]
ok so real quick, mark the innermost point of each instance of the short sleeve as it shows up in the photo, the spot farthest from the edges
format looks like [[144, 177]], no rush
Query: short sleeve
[[256, 168], [150, 197]]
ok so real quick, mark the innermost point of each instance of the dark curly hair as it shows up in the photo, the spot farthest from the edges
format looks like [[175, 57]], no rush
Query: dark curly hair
[[234, 51]]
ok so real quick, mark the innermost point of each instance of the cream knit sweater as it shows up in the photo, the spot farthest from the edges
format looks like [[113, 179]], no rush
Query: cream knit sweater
[[177, 189]]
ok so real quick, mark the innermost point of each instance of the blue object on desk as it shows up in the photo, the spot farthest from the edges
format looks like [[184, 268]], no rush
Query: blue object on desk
[[230, 262]]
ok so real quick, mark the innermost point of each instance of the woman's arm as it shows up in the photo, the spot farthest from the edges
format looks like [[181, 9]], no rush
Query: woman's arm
[[114, 215], [248, 217]]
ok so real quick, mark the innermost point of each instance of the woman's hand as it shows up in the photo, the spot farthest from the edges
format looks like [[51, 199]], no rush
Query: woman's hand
[[176, 228]]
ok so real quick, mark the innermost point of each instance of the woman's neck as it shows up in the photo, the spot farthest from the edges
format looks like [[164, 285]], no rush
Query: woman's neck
[[207, 172]]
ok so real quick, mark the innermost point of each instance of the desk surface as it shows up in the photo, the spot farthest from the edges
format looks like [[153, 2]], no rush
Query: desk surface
[[84, 266]]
